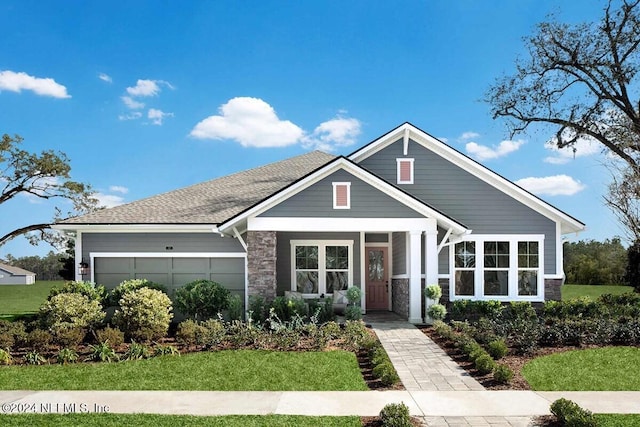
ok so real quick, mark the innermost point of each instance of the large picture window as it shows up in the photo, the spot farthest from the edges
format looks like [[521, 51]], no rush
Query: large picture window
[[321, 267], [498, 267]]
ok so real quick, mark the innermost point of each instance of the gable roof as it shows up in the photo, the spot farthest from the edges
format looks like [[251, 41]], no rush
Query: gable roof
[[16, 271], [210, 202], [407, 132]]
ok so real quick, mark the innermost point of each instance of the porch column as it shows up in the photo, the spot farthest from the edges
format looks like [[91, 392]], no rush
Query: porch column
[[431, 258], [415, 267], [261, 264]]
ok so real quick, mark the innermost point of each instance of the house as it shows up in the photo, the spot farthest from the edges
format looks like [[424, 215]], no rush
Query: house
[[10, 275], [402, 211]]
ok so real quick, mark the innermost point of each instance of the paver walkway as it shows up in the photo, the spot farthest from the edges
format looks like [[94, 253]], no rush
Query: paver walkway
[[421, 363]]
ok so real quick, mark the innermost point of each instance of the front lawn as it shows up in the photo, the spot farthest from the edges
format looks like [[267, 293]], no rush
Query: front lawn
[[592, 291], [599, 369], [618, 420], [220, 370], [24, 299], [117, 420]]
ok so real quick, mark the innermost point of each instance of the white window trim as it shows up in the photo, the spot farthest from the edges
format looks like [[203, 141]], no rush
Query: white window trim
[[512, 294], [321, 244], [335, 198], [398, 162]]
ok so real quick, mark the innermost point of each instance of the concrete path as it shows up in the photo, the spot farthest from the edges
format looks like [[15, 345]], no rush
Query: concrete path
[[421, 364]]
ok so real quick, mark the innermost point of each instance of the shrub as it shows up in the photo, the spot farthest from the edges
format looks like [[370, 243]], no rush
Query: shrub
[[331, 329], [202, 299], [189, 332], [136, 351], [258, 308], [69, 337], [6, 339], [502, 373], [235, 308], [114, 336], [354, 294], [433, 292], [497, 349], [519, 310], [286, 309], [386, 373], [443, 330], [144, 314], [485, 364], [90, 290], [213, 332], [437, 311], [166, 350], [66, 356], [39, 339], [354, 334], [5, 357], [395, 415], [71, 310], [353, 312], [572, 415], [11, 333], [34, 358], [102, 352], [132, 285]]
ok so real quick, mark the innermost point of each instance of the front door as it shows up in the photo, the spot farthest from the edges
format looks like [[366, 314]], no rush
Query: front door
[[377, 282]]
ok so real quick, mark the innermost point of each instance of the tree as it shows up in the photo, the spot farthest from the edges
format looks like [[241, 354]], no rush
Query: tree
[[44, 176], [589, 262]]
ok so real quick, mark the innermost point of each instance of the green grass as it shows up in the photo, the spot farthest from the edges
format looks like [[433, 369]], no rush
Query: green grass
[[618, 420], [592, 291], [118, 420], [24, 299], [600, 369], [221, 370]]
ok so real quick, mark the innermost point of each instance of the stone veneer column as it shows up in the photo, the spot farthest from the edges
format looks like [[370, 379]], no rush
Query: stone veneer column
[[552, 290], [261, 263]]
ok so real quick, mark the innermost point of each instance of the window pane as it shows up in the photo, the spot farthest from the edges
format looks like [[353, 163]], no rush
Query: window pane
[[528, 283], [336, 281], [496, 283], [306, 257], [307, 282], [337, 257], [464, 283], [496, 254], [465, 255], [503, 261], [503, 248]]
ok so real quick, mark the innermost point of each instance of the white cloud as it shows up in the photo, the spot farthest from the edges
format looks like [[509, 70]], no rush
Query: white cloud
[[557, 185], [468, 135], [338, 132], [132, 103], [482, 152], [145, 87], [17, 82], [249, 121], [105, 77], [584, 146], [118, 189], [131, 116], [108, 200], [157, 116]]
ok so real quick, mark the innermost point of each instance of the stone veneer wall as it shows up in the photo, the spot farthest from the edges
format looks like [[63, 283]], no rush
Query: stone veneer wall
[[400, 297], [261, 263], [444, 285], [552, 289]]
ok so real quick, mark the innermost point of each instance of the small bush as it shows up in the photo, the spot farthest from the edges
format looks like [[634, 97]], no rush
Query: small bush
[[136, 351], [497, 349], [395, 415], [353, 312], [213, 332], [331, 330], [386, 373], [354, 295], [144, 314], [114, 336], [102, 352], [437, 311], [258, 310], [189, 332], [34, 358], [235, 308], [132, 285], [202, 299], [71, 310], [6, 339], [66, 356], [39, 339], [166, 350], [572, 415], [485, 364], [433, 292], [90, 290], [5, 357], [354, 334], [69, 337], [503, 374], [287, 309]]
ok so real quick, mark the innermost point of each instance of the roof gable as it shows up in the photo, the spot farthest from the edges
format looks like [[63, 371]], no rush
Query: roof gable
[[15, 271], [407, 132]]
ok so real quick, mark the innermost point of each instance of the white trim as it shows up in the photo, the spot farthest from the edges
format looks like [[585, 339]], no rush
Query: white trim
[[168, 254], [239, 237], [415, 279], [431, 258], [444, 240], [569, 224], [138, 228], [559, 252], [405, 142], [78, 256], [335, 194], [363, 286], [399, 161], [322, 245], [342, 163], [340, 224]]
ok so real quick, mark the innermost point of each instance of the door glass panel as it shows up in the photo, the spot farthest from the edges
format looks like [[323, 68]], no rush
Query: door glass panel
[[376, 265]]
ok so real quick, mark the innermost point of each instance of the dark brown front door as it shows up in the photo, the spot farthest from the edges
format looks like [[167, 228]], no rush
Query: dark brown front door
[[377, 282]]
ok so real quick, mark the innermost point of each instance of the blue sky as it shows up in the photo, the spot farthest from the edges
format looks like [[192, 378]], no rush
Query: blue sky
[[149, 96]]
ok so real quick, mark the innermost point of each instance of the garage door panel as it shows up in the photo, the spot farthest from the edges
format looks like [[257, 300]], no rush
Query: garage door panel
[[110, 280], [227, 265], [229, 281], [181, 279], [152, 265], [187, 265], [111, 265], [163, 279]]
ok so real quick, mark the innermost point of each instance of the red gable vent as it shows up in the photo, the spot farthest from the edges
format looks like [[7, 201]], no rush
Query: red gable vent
[[405, 171], [341, 195]]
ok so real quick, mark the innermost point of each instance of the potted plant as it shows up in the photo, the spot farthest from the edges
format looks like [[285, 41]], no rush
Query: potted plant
[[432, 295], [353, 312]]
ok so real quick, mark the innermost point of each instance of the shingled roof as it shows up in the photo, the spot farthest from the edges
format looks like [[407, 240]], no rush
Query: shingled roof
[[210, 202], [16, 271]]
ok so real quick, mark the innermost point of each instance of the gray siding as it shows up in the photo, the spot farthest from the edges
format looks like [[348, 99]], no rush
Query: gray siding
[[8, 279], [317, 201], [284, 254], [460, 195], [399, 253]]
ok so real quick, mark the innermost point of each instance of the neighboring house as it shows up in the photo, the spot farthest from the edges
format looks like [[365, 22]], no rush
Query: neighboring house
[[10, 275], [400, 212]]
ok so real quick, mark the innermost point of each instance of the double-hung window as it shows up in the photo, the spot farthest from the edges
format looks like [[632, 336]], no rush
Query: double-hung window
[[321, 267], [503, 267]]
